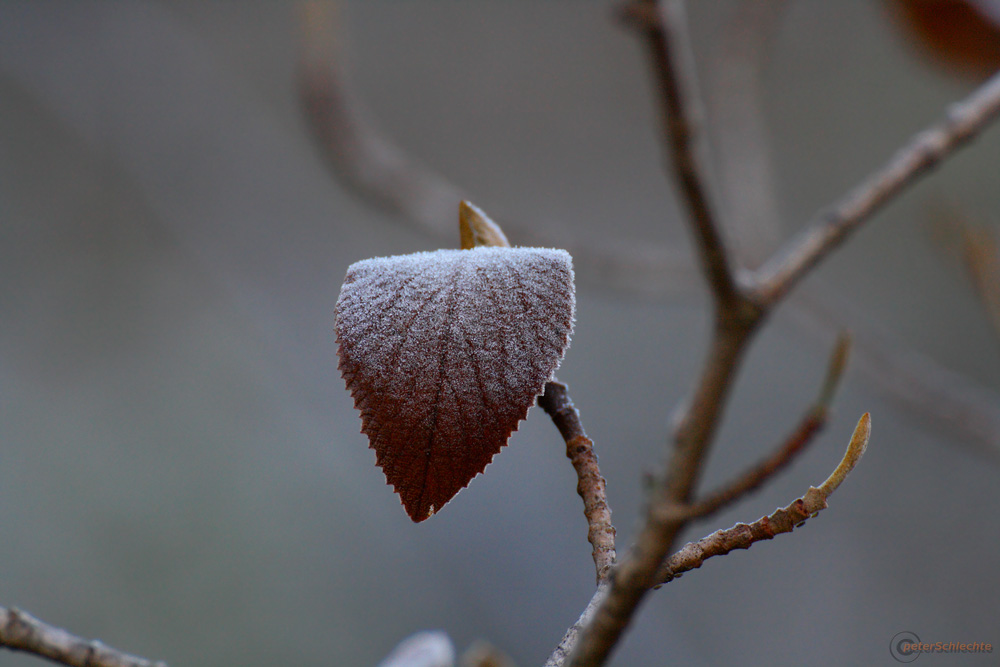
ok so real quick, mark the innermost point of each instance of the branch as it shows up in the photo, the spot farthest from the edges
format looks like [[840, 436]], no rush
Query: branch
[[22, 632], [829, 229], [811, 424], [591, 487], [635, 575], [562, 652], [665, 32], [784, 520]]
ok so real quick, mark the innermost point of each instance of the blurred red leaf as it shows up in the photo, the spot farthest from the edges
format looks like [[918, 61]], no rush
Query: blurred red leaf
[[444, 352], [982, 258], [964, 35]]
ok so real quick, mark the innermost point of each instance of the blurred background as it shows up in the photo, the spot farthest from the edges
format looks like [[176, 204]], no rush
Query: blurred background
[[181, 469]]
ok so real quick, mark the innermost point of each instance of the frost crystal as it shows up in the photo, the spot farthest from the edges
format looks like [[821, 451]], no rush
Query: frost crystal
[[444, 352]]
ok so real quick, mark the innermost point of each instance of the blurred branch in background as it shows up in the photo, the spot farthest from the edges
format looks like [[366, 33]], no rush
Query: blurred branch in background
[[927, 391], [361, 156], [738, 128], [22, 632], [381, 172]]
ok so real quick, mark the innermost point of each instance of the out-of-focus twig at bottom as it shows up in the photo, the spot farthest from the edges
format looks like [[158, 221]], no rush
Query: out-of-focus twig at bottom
[[22, 632]]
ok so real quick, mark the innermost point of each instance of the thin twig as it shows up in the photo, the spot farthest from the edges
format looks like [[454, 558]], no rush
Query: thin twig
[[736, 318], [22, 632], [829, 229], [784, 520], [591, 486], [681, 116], [810, 424], [664, 30], [561, 653]]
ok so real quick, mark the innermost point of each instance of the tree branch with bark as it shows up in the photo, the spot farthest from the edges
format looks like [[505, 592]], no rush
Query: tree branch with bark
[[739, 309]]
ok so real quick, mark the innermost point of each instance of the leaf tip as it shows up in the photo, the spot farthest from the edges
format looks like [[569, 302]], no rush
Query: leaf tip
[[855, 450], [476, 229]]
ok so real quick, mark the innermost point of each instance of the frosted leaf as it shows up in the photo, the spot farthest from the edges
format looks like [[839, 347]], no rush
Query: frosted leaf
[[444, 352]]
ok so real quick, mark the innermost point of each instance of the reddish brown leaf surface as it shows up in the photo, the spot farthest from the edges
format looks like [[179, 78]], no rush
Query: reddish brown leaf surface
[[444, 352], [961, 34]]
